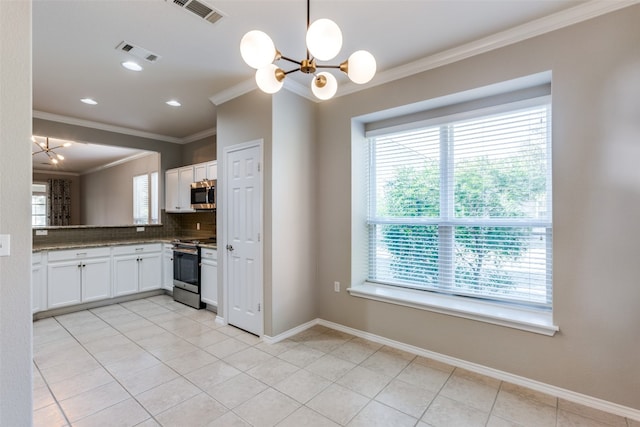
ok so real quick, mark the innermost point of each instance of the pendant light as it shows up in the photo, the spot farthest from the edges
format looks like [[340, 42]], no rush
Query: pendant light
[[324, 41]]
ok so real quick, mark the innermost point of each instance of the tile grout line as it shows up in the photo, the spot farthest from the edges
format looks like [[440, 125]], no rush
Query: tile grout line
[[55, 399], [102, 366]]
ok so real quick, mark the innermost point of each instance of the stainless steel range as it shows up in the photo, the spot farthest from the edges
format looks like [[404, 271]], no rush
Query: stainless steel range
[[186, 271]]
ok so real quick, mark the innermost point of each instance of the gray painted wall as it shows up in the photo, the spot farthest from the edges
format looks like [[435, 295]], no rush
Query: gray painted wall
[[106, 196], [240, 120], [596, 203], [203, 150], [286, 124], [293, 174], [15, 213]]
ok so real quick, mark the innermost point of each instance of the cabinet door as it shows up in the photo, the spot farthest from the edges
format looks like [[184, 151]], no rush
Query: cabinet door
[[185, 178], [38, 301], [96, 275], [212, 170], [125, 275], [171, 191], [150, 271], [200, 172], [209, 282], [167, 267], [64, 286]]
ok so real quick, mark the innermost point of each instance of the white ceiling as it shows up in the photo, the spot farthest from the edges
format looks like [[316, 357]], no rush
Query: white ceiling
[[75, 56]]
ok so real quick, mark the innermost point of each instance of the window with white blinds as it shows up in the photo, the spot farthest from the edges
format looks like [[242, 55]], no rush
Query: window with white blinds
[[461, 205], [141, 199]]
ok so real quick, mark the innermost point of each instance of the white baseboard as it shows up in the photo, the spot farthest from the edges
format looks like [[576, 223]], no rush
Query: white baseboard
[[552, 390], [220, 320], [290, 332]]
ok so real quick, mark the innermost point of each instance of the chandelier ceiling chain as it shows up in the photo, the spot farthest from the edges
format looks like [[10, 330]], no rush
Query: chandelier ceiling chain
[[54, 157], [323, 42]]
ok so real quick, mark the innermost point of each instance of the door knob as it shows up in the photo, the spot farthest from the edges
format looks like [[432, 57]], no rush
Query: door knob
[[230, 248]]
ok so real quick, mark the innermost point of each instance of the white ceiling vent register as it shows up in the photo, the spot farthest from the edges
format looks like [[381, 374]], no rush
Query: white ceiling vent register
[[138, 52], [202, 10]]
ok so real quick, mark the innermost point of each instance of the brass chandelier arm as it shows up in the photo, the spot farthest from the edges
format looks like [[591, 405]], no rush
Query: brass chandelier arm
[[290, 60]]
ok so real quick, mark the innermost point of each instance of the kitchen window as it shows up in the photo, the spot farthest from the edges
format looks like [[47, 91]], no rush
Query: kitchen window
[[145, 199], [39, 205], [459, 212]]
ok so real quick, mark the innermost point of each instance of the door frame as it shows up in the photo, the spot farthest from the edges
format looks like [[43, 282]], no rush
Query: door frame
[[222, 182]]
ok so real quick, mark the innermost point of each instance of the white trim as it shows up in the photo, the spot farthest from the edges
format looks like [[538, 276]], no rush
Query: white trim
[[119, 129], [119, 162], [572, 396], [291, 332], [250, 85], [556, 21], [530, 320], [498, 40], [199, 135], [233, 92], [220, 320]]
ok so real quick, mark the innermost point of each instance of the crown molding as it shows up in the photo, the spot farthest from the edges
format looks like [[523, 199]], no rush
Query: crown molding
[[565, 18], [119, 129], [513, 35], [199, 135], [102, 126], [233, 92]]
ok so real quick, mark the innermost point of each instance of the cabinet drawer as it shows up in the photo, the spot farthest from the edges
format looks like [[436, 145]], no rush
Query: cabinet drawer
[[137, 249], [71, 254], [209, 254], [36, 258]]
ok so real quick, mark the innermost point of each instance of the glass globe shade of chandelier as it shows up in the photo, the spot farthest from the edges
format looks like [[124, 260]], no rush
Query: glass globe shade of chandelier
[[324, 41]]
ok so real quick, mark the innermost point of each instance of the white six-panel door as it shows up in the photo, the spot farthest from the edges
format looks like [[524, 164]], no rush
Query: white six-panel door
[[243, 216]]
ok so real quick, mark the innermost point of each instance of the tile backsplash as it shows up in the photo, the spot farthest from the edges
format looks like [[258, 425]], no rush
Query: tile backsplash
[[173, 225]]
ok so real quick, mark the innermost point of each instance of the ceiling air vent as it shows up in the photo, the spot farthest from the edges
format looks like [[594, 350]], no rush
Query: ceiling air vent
[[138, 51], [202, 10]]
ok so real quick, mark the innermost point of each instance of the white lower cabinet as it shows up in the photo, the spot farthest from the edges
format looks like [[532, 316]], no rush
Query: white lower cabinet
[[74, 276], [136, 268], [38, 283], [167, 267], [209, 276], [78, 276]]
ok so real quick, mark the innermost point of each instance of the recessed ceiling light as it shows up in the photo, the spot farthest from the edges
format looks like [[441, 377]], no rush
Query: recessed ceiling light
[[89, 101], [174, 103], [133, 66]]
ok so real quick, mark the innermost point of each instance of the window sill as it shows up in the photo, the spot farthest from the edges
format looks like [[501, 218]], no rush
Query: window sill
[[526, 319]]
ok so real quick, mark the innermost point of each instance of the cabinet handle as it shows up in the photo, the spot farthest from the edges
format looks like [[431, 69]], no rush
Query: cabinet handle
[[81, 253], [79, 265]]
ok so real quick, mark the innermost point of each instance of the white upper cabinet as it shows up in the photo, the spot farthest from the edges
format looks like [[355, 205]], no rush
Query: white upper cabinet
[[178, 189], [206, 171]]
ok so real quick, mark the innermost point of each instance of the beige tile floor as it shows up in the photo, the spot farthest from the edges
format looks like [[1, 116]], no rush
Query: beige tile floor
[[155, 362]]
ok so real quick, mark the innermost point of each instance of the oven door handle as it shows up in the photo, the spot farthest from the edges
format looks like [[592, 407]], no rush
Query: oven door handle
[[186, 251]]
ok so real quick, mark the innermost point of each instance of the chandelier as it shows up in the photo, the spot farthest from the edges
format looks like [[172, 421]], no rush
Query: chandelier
[[54, 157], [324, 41]]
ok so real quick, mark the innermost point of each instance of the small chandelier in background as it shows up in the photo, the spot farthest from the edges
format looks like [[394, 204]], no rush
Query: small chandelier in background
[[324, 41], [44, 147]]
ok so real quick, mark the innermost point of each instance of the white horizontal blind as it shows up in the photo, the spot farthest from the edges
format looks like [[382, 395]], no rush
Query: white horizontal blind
[[463, 206], [154, 194], [141, 199], [39, 205]]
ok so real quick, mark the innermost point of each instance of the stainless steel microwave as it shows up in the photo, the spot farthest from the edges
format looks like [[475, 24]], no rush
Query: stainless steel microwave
[[203, 195]]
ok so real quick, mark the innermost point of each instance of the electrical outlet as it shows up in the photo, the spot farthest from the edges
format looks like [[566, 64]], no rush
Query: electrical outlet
[[139, 229], [197, 226], [336, 286]]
